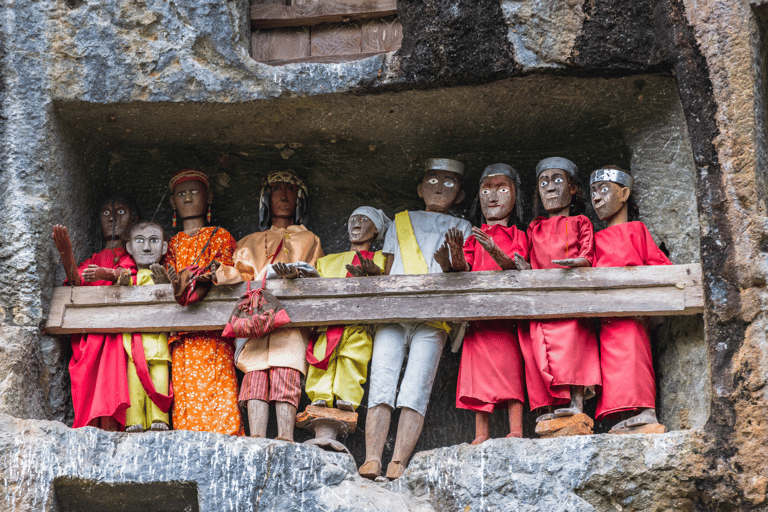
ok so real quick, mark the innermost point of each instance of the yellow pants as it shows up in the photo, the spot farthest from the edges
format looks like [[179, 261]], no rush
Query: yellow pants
[[347, 368], [143, 411]]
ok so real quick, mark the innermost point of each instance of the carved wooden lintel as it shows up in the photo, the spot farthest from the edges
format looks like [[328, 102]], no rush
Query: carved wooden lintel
[[556, 293]]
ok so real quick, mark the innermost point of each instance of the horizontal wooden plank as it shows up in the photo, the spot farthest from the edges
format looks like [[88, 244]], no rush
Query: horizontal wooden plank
[[319, 11], [280, 44], [322, 59], [588, 292]]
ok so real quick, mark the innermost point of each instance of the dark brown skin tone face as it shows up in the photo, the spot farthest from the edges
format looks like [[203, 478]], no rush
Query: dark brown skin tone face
[[283, 199], [555, 191], [115, 220], [440, 190], [362, 231], [190, 201], [610, 201], [497, 199]]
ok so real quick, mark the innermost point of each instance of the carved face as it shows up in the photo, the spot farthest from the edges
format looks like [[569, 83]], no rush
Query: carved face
[[283, 199], [440, 190], [146, 245], [116, 219], [190, 199], [608, 198], [497, 197], [555, 190], [361, 229]]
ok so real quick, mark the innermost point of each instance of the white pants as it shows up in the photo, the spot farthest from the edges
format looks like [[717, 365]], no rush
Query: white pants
[[426, 347]]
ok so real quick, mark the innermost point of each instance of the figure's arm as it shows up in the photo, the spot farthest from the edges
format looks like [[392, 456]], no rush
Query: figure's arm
[[587, 243], [96, 273], [64, 246], [390, 261], [455, 240], [159, 274], [285, 270], [521, 264], [500, 257]]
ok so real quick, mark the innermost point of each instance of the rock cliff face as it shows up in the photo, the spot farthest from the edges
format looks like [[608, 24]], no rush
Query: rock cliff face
[[103, 96]]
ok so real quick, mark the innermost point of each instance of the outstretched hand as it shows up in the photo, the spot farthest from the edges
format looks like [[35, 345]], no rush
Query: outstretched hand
[[356, 270], [285, 270], [368, 265], [96, 273], [442, 257], [64, 247], [521, 264], [501, 258], [455, 240], [573, 262], [158, 274]]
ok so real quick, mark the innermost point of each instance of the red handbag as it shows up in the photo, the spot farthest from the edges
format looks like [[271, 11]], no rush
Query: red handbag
[[257, 313]]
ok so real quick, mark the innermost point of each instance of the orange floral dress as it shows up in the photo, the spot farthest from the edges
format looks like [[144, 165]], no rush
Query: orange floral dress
[[203, 367]]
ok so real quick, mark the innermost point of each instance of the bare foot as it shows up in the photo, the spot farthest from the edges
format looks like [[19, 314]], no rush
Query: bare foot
[[371, 469], [644, 417], [345, 405], [134, 428], [159, 426], [480, 439], [567, 411]]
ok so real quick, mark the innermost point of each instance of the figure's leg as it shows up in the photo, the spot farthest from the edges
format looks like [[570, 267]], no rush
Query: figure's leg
[[158, 373], [515, 411], [423, 359], [577, 403], [354, 352], [482, 427], [285, 392], [386, 363], [254, 393], [319, 385], [134, 416]]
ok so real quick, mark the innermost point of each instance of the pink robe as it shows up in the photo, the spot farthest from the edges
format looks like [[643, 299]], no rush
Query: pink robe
[[625, 349], [98, 368], [563, 352], [491, 368]]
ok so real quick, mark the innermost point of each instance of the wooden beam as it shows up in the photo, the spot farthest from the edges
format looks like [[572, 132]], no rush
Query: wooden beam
[[319, 11], [556, 293]]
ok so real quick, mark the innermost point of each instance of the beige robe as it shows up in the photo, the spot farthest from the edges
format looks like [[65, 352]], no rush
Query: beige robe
[[281, 347]]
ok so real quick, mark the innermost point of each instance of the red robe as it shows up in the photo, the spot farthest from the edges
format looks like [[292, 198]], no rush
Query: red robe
[[491, 369], [563, 352], [625, 349], [98, 368]]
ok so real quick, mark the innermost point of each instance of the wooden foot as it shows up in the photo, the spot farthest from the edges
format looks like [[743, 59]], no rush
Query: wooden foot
[[371, 469], [651, 428], [395, 470], [576, 425]]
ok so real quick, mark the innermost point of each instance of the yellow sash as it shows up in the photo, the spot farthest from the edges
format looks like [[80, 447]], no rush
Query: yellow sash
[[411, 255]]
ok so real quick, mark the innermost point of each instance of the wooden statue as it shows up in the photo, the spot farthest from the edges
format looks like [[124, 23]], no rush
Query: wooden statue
[[203, 370], [338, 361], [410, 247], [491, 370], [147, 245], [626, 364], [562, 363], [274, 364], [98, 366]]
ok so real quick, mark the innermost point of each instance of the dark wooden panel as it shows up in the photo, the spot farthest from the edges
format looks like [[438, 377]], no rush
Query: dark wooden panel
[[319, 11], [465, 296], [382, 35], [280, 44], [335, 39], [323, 59]]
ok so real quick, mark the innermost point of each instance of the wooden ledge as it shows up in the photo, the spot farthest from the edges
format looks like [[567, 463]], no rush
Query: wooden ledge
[[554, 293], [319, 11]]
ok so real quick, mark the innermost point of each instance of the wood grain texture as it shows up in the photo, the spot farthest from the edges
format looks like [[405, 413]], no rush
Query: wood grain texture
[[280, 44], [322, 59], [335, 39], [554, 293], [382, 35], [319, 11]]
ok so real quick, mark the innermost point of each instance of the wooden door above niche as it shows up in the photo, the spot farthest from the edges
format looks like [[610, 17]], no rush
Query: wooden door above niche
[[286, 31]]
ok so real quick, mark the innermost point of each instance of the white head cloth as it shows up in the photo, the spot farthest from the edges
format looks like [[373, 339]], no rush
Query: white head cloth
[[378, 217]]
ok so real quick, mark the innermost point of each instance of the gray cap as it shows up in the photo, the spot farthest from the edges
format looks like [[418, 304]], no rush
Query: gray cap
[[444, 164], [500, 170], [614, 176], [557, 162]]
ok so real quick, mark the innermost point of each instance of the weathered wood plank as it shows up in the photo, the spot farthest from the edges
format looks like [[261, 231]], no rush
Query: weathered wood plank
[[322, 59], [463, 296], [382, 35], [280, 44], [319, 11], [335, 39]]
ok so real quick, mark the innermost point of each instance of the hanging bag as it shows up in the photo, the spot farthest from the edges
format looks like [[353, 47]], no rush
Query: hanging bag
[[257, 313], [193, 282]]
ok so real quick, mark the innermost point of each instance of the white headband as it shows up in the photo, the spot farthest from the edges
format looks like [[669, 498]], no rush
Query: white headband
[[379, 219]]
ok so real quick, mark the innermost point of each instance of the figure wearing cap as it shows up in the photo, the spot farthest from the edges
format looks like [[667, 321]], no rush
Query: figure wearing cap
[[274, 364], [626, 364], [97, 369], [410, 247], [339, 359], [562, 363], [203, 368], [491, 371]]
